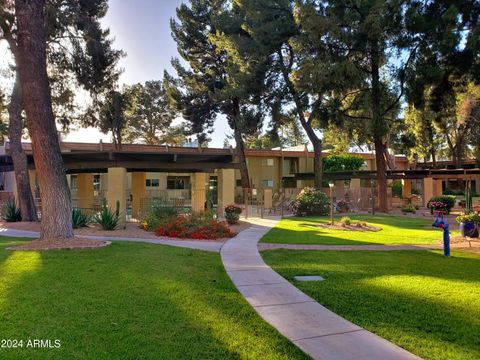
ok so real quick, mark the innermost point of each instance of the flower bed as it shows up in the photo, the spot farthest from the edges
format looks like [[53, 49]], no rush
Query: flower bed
[[201, 226]]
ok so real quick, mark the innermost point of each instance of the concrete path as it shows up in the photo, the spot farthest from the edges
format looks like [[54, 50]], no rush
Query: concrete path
[[316, 330], [213, 246], [268, 246]]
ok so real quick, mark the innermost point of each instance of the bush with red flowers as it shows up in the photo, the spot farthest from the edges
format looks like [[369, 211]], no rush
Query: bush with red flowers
[[197, 225], [232, 214]]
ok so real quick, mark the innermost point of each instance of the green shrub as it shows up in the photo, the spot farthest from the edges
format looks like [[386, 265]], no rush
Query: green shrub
[[346, 220], [311, 202], [449, 191], [158, 214], [397, 188], [409, 209], [11, 212], [107, 218], [343, 162], [79, 219], [436, 202], [453, 192]]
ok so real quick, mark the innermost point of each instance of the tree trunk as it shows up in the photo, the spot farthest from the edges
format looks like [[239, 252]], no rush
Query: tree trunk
[[381, 176], [32, 67], [434, 157], [240, 147], [378, 130], [317, 162], [19, 158], [307, 126]]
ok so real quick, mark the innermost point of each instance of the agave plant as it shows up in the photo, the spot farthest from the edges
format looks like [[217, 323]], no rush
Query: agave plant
[[11, 212], [107, 218], [79, 219]]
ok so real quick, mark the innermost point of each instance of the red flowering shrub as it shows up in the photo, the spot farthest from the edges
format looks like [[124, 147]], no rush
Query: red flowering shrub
[[232, 214], [200, 226]]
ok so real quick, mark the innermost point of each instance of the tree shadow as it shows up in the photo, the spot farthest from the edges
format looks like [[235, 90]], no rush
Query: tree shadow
[[134, 300], [402, 298], [391, 232]]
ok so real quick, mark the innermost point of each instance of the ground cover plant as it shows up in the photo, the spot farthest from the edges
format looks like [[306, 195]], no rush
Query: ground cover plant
[[129, 301], [393, 230], [420, 300]]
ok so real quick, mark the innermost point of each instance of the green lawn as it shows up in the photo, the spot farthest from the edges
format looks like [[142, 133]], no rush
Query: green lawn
[[129, 301], [394, 230], [420, 300]]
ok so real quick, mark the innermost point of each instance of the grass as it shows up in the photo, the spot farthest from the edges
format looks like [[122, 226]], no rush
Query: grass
[[129, 301], [394, 230], [420, 300]]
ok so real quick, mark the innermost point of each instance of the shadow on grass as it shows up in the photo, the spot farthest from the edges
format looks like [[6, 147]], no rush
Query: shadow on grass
[[420, 300], [388, 220], [305, 230], [134, 300]]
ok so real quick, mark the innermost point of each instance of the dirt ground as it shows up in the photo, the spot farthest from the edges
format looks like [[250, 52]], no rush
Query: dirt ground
[[131, 231]]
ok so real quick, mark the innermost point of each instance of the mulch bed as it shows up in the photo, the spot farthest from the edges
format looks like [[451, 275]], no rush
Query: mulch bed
[[56, 244], [352, 227]]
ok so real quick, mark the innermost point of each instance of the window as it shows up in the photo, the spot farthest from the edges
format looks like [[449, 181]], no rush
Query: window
[[289, 183], [290, 166], [152, 182], [178, 182], [267, 183], [267, 162], [239, 182]]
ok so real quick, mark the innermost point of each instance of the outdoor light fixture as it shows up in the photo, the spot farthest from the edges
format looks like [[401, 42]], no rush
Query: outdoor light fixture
[[331, 185]]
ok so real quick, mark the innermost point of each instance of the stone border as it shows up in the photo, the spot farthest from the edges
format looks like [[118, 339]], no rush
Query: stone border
[[316, 330]]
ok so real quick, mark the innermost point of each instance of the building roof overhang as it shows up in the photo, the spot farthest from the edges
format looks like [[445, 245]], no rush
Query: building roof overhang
[[101, 161]]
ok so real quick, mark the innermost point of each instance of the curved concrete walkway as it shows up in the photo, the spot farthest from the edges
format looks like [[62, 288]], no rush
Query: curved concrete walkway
[[316, 330], [213, 246]]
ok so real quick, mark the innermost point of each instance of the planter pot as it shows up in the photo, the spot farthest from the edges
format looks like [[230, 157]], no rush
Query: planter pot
[[469, 229], [232, 219]]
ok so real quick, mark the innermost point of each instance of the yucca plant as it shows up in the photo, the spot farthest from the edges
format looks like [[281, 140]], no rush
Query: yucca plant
[[79, 219], [11, 212], [107, 218]]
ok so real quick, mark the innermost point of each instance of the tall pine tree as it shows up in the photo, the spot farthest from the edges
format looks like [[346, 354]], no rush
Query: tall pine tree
[[214, 83]]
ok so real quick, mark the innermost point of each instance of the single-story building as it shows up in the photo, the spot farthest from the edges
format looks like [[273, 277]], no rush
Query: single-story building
[[137, 174]]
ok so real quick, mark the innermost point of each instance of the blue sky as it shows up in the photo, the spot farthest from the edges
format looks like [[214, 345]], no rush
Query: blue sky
[[142, 29]]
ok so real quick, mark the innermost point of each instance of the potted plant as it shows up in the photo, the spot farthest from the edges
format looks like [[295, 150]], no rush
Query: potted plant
[[342, 206], [469, 224], [437, 206], [441, 203], [232, 214]]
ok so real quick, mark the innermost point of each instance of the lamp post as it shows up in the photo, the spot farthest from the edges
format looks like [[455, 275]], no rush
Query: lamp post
[[331, 185]]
